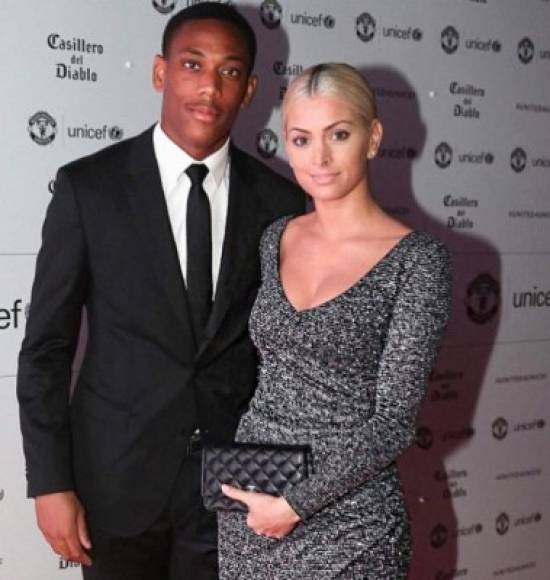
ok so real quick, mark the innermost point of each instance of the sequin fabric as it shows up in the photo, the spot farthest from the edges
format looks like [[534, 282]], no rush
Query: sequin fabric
[[346, 377]]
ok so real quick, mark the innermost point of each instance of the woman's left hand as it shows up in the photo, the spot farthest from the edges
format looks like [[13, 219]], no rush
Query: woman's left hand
[[267, 515]]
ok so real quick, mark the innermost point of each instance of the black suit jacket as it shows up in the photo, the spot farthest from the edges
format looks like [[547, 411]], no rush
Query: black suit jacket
[[144, 385]]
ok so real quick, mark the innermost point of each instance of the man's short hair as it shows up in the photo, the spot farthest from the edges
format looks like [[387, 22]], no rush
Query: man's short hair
[[214, 11]]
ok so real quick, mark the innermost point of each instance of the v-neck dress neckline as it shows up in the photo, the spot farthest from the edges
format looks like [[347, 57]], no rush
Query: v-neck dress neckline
[[368, 274]]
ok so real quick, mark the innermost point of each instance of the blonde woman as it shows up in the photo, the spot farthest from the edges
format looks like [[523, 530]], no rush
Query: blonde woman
[[347, 322]]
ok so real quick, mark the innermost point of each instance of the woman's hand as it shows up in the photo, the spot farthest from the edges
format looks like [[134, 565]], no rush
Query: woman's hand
[[267, 515]]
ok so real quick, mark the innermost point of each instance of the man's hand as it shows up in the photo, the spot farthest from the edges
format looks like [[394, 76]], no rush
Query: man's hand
[[267, 515], [61, 519]]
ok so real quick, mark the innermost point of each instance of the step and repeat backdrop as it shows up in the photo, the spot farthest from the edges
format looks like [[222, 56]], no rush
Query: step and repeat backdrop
[[464, 94]]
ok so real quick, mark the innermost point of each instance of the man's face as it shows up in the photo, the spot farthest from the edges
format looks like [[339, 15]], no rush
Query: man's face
[[204, 80]]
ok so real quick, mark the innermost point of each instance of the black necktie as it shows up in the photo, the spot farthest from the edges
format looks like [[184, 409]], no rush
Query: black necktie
[[199, 250]]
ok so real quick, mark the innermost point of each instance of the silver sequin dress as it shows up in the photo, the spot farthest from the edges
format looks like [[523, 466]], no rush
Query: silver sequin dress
[[346, 377]]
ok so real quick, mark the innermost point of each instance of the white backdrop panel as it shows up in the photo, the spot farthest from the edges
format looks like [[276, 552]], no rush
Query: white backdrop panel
[[463, 89]]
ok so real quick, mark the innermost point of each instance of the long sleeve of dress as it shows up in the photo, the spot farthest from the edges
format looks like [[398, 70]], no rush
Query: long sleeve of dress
[[417, 324]]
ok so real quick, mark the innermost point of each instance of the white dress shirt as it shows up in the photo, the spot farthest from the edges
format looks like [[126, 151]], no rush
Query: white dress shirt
[[172, 162]]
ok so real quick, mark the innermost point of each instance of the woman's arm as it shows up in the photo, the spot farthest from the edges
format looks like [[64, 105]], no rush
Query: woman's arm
[[416, 328]]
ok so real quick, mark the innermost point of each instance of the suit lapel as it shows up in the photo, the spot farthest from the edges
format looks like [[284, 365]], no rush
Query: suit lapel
[[245, 222], [246, 219], [146, 198]]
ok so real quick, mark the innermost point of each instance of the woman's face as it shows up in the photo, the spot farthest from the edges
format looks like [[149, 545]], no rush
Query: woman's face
[[328, 145]]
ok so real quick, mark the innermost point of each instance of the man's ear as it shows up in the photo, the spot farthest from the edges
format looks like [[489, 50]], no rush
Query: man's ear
[[251, 85], [159, 70]]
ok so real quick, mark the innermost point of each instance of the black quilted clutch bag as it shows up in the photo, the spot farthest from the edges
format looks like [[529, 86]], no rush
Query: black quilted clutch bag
[[264, 468]]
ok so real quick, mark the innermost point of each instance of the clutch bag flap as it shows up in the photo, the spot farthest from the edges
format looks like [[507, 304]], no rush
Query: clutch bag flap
[[263, 468]]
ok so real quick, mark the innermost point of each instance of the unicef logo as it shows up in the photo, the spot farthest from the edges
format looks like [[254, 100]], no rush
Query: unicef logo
[[164, 6], [424, 438], [500, 428], [450, 39], [42, 128], [502, 523], [482, 299], [329, 21], [526, 50], [365, 27], [443, 155], [438, 536], [518, 159], [271, 13], [267, 143], [116, 133], [279, 67]]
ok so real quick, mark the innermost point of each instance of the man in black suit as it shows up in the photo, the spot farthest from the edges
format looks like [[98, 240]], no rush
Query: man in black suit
[[157, 237]]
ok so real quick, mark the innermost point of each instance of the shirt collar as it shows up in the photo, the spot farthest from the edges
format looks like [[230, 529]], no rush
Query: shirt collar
[[173, 160]]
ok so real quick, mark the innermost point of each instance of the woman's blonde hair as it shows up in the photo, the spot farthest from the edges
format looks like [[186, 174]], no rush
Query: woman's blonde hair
[[334, 79]]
